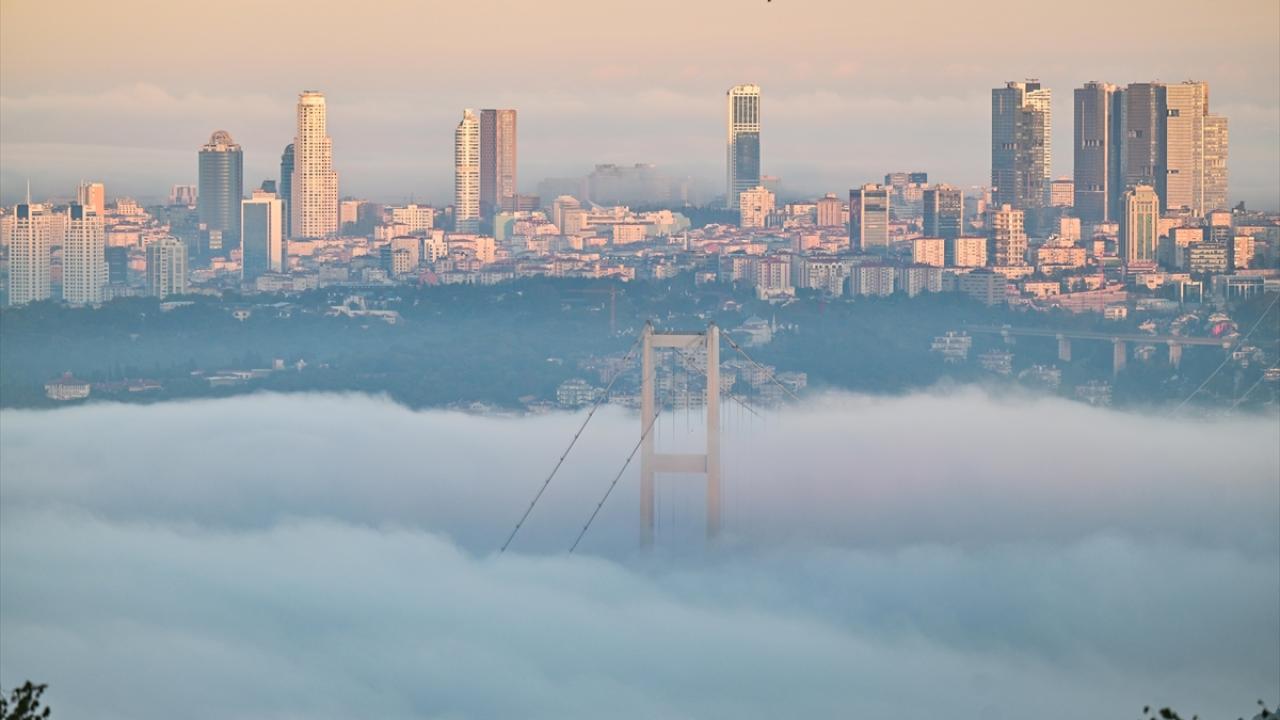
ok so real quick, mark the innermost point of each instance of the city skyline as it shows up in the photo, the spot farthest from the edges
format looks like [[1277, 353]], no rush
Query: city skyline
[[834, 122]]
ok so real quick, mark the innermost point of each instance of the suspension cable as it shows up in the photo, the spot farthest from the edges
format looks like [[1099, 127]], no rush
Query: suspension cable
[[1227, 359], [758, 366], [626, 360]]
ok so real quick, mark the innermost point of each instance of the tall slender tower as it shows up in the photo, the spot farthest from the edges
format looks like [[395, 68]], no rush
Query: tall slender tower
[[869, 218], [1098, 131], [286, 187], [1008, 237], [1021, 145], [497, 161], [29, 241], [1144, 113], [84, 259], [466, 173], [1215, 163], [743, 152], [315, 184], [1186, 105], [221, 185]]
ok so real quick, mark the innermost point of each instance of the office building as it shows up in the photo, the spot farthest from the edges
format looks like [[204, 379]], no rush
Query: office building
[[184, 195], [1098, 139], [1143, 146], [1215, 163], [84, 260], [466, 174], [314, 188], [497, 162], [1186, 105], [754, 207], [743, 146], [1008, 237], [221, 185], [30, 237], [166, 267], [117, 258], [261, 236], [286, 188], [1139, 225], [1021, 144], [869, 218], [943, 212]]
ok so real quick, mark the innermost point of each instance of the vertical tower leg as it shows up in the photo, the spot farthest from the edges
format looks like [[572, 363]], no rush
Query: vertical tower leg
[[1119, 355], [713, 431], [646, 443], [1064, 348], [1175, 355]]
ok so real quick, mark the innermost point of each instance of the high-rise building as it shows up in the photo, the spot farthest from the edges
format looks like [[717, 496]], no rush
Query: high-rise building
[[1021, 145], [497, 161], [1186, 106], [1139, 225], [183, 195], [1215, 163], [1143, 148], [830, 211], [869, 218], [84, 260], [166, 267], [1008, 237], [261, 236], [117, 258], [221, 185], [943, 212], [92, 195], [30, 231], [466, 174], [1098, 133], [743, 151], [754, 207], [315, 183], [286, 188]]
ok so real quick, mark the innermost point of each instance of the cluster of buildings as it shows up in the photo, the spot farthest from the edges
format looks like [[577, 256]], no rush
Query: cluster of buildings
[[1146, 207]]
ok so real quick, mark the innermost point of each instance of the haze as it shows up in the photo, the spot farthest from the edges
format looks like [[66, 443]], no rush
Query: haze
[[127, 91]]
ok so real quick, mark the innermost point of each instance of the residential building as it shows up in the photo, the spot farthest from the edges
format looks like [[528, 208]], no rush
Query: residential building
[[466, 174], [929, 251], [970, 252], [754, 207], [1008, 237], [1062, 193], [30, 238], [84, 260], [93, 195], [1215, 163], [830, 211], [166, 267]]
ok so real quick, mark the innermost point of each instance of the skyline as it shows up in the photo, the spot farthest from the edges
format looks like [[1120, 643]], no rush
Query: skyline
[[858, 109]]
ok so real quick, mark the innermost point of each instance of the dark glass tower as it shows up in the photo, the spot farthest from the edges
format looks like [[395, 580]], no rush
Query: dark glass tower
[[221, 186]]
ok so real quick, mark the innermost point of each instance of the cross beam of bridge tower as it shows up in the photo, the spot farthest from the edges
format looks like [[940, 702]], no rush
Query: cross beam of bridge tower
[[652, 462]]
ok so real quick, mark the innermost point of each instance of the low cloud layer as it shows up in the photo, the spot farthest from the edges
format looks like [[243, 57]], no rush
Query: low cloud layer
[[331, 556]]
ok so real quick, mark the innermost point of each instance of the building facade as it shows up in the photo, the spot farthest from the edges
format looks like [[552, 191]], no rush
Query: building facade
[[166, 267], [754, 207], [466, 174], [262, 247], [286, 187], [1021, 144], [1008, 237], [943, 212], [84, 259], [1139, 225], [1098, 132], [869, 218], [30, 237]]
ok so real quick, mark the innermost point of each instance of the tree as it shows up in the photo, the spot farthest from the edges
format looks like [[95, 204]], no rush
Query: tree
[[24, 703]]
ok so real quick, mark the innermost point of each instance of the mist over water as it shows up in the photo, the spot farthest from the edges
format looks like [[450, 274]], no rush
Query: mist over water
[[331, 556]]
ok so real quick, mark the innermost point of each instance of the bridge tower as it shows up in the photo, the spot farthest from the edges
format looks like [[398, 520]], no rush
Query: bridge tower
[[653, 462]]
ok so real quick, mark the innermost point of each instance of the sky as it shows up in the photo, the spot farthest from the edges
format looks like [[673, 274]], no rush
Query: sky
[[126, 92], [335, 556]]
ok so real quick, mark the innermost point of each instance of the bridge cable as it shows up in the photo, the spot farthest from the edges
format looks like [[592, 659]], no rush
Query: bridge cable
[[769, 373], [599, 401], [1227, 359]]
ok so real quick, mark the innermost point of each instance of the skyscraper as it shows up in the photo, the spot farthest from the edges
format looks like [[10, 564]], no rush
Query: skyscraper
[[1098, 131], [943, 212], [286, 188], [166, 267], [1021, 145], [1139, 225], [869, 218], [261, 236], [29, 240], [84, 260], [466, 173], [743, 150], [1144, 114], [221, 182], [497, 161], [315, 184], [1186, 104], [1215, 163], [92, 195], [1008, 237]]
